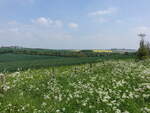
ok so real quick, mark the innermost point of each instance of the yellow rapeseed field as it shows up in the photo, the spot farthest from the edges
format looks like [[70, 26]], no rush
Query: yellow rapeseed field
[[103, 51]]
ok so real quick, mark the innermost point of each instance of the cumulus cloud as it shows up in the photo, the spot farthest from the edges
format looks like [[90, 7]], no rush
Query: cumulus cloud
[[103, 12], [73, 25], [47, 22], [42, 21]]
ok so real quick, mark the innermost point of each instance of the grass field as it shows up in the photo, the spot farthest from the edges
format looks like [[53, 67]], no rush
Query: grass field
[[114, 86], [13, 62]]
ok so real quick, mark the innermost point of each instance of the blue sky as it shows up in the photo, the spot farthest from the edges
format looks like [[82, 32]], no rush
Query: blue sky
[[73, 24]]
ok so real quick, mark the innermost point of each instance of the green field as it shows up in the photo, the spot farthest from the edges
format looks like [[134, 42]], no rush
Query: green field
[[13, 62], [37, 82], [113, 86], [14, 59]]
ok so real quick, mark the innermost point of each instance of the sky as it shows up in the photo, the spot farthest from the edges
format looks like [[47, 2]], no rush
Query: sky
[[74, 24]]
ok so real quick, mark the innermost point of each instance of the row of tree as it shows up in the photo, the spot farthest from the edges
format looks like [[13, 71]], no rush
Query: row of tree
[[62, 53]]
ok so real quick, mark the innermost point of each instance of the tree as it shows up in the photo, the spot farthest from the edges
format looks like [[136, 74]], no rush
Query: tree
[[143, 51]]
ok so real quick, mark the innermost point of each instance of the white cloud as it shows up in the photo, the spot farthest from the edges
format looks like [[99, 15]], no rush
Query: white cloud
[[42, 21], [73, 25], [47, 22], [103, 12], [103, 16], [31, 35], [35, 35]]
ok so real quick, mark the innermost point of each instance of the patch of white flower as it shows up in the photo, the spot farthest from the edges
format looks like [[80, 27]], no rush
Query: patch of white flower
[[111, 86]]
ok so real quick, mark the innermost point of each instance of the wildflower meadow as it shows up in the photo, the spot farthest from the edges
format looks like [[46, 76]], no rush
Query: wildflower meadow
[[114, 86]]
